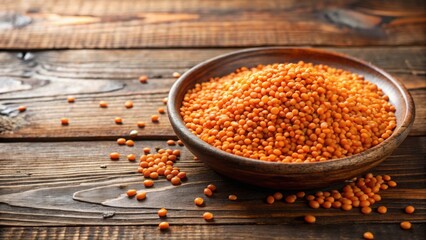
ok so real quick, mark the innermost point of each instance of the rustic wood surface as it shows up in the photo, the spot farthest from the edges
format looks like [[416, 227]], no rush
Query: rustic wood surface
[[182, 23], [52, 185]]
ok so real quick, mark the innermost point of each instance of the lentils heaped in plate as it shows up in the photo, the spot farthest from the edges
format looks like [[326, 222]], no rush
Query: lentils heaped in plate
[[296, 112]]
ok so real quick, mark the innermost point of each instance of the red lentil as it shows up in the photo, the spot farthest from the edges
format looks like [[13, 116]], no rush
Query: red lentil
[[232, 197], [368, 236], [161, 110], [310, 219], [291, 199], [181, 175], [131, 157], [130, 143], [165, 100], [131, 193], [208, 216], [128, 104], [146, 150], [409, 209], [392, 184], [103, 104], [289, 113], [278, 196], [22, 108], [70, 99], [179, 142], [141, 196], [208, 192], [155, 118], [148, 183], [199, 201], [121, 141], [366, 210], [65, 121], [141, 124], [405, 225], [171, 142], [143, 79], [176, 74], [382, 209], [212, 187], [270, 199], [163, 225], [118, 120], [162, 212], [114, 156], [175, 181], [300, 194]]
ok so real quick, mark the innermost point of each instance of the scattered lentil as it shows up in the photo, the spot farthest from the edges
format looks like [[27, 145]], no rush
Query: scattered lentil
[[208, 216], [208, 192], [163, 225], [103, 104], [171, 142], [65, 121], [161, 110], [199, 201], [176, 74], [141, 124], [118, 120], [70, 99], [382, 209], [131, 157], [143, 79], [128, 104], [141, 196], [212, 187], [131, 193], [155, 118], [278, 196], [409, 209], [232, 197], [121, 141], [114, 156], [148, 183], [130, 143], [22, 108], [270, 199], [310, 219], [146, 150], [368, 235], [366, 210], [405, 225], [175, 181], [165, 100], [180, 142], [162, 212]]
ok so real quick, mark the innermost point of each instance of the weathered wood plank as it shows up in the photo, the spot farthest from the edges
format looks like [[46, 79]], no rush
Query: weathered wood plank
[[126, 24], [284, 231], [43, 80], [29, 172]]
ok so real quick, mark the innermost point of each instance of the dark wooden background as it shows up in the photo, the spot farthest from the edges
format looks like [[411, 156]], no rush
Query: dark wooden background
[[96, 50]]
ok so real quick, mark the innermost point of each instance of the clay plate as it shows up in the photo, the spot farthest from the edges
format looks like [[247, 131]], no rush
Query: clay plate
[[292, 175]]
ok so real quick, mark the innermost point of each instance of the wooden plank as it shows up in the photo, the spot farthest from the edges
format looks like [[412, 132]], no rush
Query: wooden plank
[[299, 231], [42, 81], [152, 23], [38, 182]]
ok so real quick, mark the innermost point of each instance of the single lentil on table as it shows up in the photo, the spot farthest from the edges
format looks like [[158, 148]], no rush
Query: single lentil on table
[[297, 112]]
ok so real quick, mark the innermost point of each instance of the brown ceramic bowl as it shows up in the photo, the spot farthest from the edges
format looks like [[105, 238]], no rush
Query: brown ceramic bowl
[[292, 175]]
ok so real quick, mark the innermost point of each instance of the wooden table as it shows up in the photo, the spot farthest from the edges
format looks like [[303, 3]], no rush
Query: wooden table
[[51, 181]]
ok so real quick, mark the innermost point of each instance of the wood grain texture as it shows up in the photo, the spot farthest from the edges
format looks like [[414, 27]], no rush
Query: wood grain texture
[[280, 231], [39, 180], [43, 80], [128, 24]]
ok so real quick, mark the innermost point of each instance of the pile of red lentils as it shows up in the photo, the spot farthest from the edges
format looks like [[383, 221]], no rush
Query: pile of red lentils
[[296, 112]]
